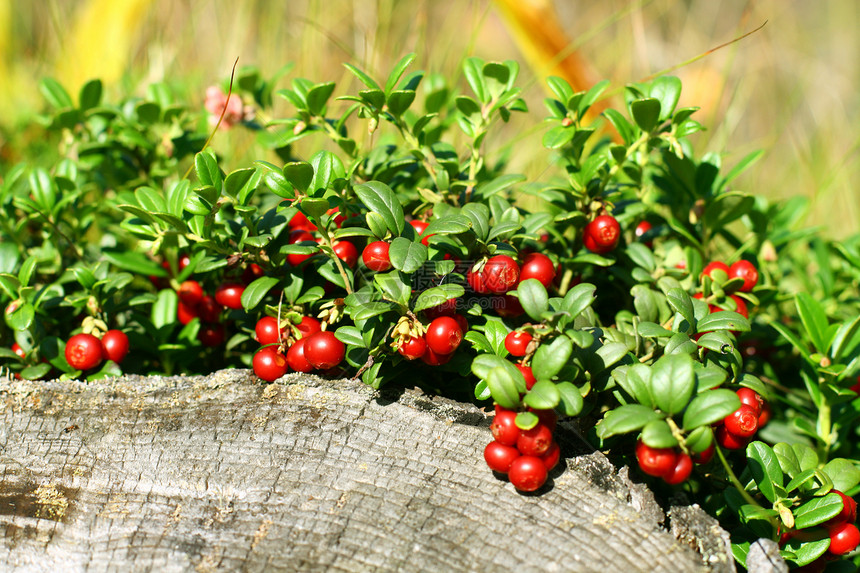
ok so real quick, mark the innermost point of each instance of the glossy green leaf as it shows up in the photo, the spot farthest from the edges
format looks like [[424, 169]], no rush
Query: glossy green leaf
[[646, 113], [570, 398], [254, 292], [658, 434], [208, 172], [765, 469], [667, 90], [544, 395], [350, 336], [551, 357], [817, 511], [379, 198], [164, 310], [533, 298], [673, 382], [844, 473], [299, 174], [503, 388], [624, 419], [814, 320], [437, 295], [407, 256], [55, 93], [710, 407]]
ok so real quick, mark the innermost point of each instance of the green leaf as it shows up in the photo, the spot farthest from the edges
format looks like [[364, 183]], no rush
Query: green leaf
[[254, 292], [667, 90], [407, 256], [318, 96], [363, 77], [398, 71], [673, 382], [544, 395], [299, 174], [726, 208], [800, 479], [814, 321], [482, 391], [327, 169], [437, 295], [817, 511], [448, 225], [709, 407], [805, 552], [646, 113], [10, 285], [658, 434], [652, 330], [503, 388], [624, 419], [682, 303], [208, 172], [21, 318], [483, 363], [723, 320], [498, 184], [25, 273], [551, 357], [558, 136], [399, 101], [237, 180], [620, 123], [55, 93], [134, 262], [533, 298], [350, 336], [571, 398], [164, 310], [371, 309], [90, 95], [472, 69], [379, 198], [578, 299], [479, 215], [394, 287], [765, 469], [843, 472]]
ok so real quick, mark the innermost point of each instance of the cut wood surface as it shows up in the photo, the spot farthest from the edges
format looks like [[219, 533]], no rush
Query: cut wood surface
[[223, 473]]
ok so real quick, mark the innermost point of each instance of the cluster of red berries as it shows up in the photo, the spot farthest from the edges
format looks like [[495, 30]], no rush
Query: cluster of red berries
[[303, 231], [738, 428], [734, 432], [518, 343], [844, 535], [442, 337], [743, 270], [302, 347], [86, 351], [526, 456]]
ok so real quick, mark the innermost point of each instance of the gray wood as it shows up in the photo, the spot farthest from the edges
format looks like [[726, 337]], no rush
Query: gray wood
[[222, 473]]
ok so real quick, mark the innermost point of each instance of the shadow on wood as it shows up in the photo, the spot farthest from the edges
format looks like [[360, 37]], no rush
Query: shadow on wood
[[224, 473]]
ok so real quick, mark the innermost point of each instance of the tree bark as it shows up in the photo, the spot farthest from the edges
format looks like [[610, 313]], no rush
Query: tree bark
[[223, 473]]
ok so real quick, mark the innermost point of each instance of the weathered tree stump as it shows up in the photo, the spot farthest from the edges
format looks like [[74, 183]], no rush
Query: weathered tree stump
[[224, 473]]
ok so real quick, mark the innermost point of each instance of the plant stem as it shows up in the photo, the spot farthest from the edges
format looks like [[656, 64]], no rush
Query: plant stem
[[824, 428]]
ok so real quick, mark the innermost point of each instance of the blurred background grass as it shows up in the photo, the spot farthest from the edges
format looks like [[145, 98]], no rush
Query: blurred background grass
[[790, 89]]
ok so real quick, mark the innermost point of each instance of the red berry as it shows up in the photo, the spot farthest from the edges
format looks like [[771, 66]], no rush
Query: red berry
[[268, 331], [500, 274], [713, 266], [764, 417], [656, 462], [346, 252], [602, 234], [743, 422], [534, 442], [744, 270], [209, 309], [704, 456], [299, 236], [499, 457], [848, 513], [338, 217], [504, 427], [230, 295], [269, 364], [420, 227], [742, 306], [412, 347], [251, 273], [751, 398], [844, 538], [190, 293], [728, 440], [527, 374], [211, 335], [681, 471], [375, 256], [517, 342], [444, 335], [300, 221], [184, 261], [16, 348], [433, 358], [185, 313], [642, 228], [476, 281], [447, 308], [551, 457], [508, 306], [323, 350], [538, 266], [84, 351], [296, 356], [115, 345], [308, 325], [527, 473]]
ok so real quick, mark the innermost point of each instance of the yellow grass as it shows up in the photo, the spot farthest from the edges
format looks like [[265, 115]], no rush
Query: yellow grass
[[791, 89]]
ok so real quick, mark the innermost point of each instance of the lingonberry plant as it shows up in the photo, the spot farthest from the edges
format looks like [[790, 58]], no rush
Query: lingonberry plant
[[673, 315]]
